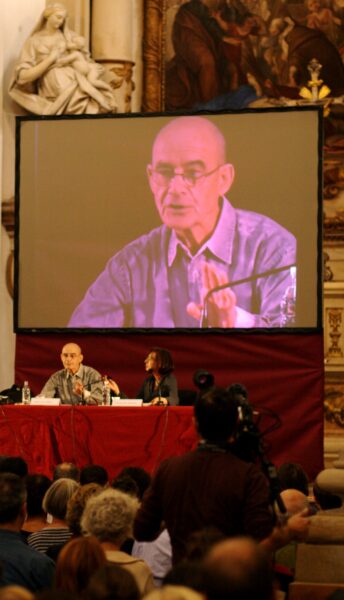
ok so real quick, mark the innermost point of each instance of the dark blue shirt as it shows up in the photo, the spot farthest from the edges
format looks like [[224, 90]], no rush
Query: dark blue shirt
[[22, 565]]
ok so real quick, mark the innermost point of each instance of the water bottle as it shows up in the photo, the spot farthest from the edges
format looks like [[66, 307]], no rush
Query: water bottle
[[106, 392], [26, 393], [288, 303]]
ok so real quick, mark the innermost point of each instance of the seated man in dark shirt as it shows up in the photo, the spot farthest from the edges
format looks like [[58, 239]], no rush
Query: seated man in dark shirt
[[20, 564]]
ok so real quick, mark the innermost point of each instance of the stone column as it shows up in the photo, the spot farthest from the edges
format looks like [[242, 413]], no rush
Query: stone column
[[116, 44]]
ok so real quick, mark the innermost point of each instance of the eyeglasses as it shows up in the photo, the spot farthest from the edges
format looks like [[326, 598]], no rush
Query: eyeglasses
[[190, 177]]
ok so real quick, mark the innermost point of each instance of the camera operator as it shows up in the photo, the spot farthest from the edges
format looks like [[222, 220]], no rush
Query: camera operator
[[208, 486]]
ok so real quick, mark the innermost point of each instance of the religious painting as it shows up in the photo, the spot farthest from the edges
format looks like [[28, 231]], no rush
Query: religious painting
[[238, 50], [333, 175], [334, 403]]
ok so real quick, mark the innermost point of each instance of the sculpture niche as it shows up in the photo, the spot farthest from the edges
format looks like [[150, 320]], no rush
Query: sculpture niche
[[55, 74]]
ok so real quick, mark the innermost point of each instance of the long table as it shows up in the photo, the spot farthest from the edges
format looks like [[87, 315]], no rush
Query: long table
[[113, 437]]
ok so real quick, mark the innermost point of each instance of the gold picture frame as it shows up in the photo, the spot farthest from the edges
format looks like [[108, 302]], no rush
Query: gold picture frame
[[154, 56]]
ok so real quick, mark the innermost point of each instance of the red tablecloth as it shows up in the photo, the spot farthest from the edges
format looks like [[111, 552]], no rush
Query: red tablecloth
[[113, 437]]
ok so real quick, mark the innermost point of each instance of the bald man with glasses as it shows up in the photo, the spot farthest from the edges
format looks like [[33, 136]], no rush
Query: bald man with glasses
[[171, 276]]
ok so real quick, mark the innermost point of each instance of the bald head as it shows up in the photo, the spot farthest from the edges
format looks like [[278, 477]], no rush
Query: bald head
[[294, 501], [238, 568], [189, 177], [71, 357], [190, 130]]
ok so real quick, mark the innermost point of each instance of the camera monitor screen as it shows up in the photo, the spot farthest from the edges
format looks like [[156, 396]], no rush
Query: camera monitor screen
[[169, 222]]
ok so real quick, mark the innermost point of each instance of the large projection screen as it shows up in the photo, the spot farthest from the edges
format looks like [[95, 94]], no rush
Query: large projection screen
[[83, 195]]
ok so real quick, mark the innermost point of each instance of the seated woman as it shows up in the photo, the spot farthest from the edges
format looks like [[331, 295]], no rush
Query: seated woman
[[160, 387], [47, 82], [56, 530]]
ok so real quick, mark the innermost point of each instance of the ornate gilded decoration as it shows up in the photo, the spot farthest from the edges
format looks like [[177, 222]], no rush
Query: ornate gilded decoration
[[154, 56], [334, 317]]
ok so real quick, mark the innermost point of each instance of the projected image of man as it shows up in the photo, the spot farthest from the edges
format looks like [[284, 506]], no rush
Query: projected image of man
[[170, 277]]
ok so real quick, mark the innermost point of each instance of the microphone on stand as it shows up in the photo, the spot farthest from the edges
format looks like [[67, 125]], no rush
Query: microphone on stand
[[218, 288]]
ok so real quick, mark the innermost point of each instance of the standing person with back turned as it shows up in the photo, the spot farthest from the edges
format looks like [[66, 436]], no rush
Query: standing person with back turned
[[162, 279], [208, 486], [160, 387]]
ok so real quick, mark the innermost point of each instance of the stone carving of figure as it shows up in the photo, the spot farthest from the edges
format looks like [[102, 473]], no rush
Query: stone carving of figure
[[55, 74]]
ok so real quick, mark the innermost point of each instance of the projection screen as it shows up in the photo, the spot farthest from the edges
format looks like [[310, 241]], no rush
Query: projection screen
[[111, 236]]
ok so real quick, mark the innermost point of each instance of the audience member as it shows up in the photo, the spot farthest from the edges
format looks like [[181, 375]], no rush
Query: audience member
[[293, 476], [141, 477], [187, 573], [77, 562], [238, 568], [55, 506], [66, 470], [160, 387], [200, 542], [109, 517], [52, 594], [75, 508], [75, 383], [76, 505], [157, 554], [326, 500], [94, 474], [21, 565], [15, 592], [174, 592], [14, 464], [36, 487], [126, 484], [295, 502], [112, 582], [208, 486]]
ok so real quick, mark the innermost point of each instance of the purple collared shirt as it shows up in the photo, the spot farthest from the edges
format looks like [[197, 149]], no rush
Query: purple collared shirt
[[151, 280]]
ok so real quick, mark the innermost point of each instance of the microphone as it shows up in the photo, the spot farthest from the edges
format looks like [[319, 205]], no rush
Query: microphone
[[223, 286]]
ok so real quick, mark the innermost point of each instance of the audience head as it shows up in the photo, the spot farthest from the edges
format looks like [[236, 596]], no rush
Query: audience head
[[174, 592], [215, 414], [94, 474], [77, 561], [112, 582], [140, 476], [238, 568], [200, 542], [109, 516], [36, 487], [126, 484], [326, 500], [13, 464], [66, 470], [51, 594], [12, 498], [56, 497], [294, 502], [15, 592], [293, 476], [77, 503], [332, 481], [188, 573]]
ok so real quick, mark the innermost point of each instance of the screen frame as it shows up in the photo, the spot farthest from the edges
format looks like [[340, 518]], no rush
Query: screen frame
[[318, 109]]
